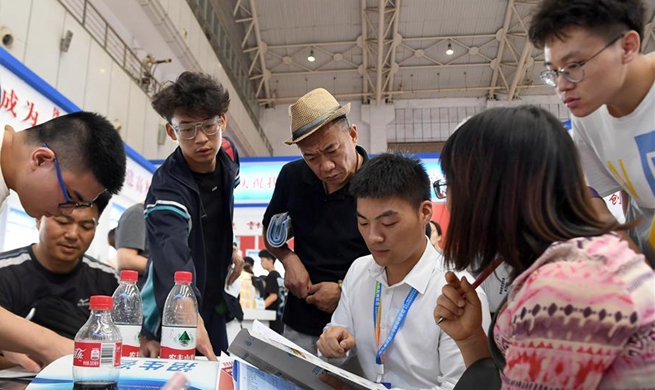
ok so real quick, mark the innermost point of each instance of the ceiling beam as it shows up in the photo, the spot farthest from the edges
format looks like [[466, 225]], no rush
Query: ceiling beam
[[501, 46], [393, 66], [380, 66], [364, 43], [520, 69], [262, 50]]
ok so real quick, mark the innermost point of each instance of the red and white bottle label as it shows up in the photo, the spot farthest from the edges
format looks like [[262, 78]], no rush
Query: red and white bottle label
[[178, 343], [130, 334], [96, 354]]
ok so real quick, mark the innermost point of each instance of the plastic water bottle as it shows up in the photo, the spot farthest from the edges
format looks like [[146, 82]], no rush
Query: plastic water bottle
[[128, 312], [97, 355], [180, 320]]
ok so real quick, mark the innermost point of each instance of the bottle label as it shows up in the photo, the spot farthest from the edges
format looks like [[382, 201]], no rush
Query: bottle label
[[178, 343], [131, 345], [96, 354]]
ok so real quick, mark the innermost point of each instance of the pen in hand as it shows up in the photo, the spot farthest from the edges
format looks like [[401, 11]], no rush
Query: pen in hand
[[478, 281]]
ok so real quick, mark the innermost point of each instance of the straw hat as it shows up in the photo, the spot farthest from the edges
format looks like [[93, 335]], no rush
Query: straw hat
[[312, 111]]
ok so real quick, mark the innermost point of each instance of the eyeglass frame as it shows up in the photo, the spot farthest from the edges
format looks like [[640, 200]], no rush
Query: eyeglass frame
[[217, 119], [552, 75], [68, 206], [440, 183]]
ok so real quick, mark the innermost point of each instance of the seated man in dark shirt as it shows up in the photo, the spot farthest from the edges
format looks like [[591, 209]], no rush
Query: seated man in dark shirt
[[50, 282]]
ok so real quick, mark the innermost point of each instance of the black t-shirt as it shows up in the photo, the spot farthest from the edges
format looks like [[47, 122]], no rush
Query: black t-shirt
[[273, 287], [24, 281], [211, 195], [326, 237]]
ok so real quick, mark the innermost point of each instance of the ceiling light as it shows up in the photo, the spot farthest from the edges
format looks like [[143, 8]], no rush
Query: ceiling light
[[450, 50], [311, 57]]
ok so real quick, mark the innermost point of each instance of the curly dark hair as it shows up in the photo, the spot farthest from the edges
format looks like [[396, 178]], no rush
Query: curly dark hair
[[84, 141], [195, 94], [607, 18]]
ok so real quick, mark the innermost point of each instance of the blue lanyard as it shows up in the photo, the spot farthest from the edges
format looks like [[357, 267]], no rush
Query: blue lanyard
[[397, 323]]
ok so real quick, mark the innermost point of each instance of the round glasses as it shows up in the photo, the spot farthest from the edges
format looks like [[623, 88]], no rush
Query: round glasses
[[190, 130], [572, 72], [440, 186]]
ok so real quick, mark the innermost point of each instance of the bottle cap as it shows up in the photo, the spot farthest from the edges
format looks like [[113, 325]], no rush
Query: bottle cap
[[183, 277], [129, 275], [101, 302]]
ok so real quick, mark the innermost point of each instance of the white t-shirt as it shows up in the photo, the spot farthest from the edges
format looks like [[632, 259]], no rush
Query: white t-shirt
[[619, 154], [4, 190], [421, 356]]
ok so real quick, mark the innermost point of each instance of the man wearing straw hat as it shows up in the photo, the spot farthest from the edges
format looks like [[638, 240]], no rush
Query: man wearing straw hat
[[314, 192]]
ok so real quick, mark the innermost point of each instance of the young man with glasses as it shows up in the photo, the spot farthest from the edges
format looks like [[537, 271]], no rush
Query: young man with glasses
[[56, 167], [189, 208], [61, 276], [594, 61]]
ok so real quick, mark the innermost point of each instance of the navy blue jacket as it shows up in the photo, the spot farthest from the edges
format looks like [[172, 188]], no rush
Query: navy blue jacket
[[173, 212]]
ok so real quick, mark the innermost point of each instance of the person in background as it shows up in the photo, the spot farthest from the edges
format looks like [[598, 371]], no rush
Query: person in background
[[55, 167], [249, 265], [593, 58], [315, 193], [402, 278], [189, 210], [435, 235], [132, 249], [274, 288], [579, 312]]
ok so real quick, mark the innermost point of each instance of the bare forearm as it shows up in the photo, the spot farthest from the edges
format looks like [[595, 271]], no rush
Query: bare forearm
[[19, 335], [128, 258], [474, 348], [270, 299]]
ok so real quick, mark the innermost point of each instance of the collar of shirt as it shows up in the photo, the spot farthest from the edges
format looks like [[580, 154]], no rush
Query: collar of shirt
[[418, 277]]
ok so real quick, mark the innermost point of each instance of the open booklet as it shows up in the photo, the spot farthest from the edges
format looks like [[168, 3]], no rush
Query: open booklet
[[274, 354]]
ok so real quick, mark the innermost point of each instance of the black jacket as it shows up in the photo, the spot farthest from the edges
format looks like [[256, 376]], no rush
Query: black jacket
[[173, 213]]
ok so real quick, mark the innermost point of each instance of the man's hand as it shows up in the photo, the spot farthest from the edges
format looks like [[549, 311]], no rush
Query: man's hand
[[22, 360], [325, 296], [203, 345], [238, 262], [149, 348], [334, 382], [296, 278], [335, 342]]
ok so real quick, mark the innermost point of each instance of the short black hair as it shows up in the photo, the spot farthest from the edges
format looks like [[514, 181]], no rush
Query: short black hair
[[607, 18], [84, 141], [193, 93], [394, 174], [266, 254], [102, 201]]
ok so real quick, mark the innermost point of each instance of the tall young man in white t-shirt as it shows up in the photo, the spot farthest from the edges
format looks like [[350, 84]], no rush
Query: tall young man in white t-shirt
[[55, 167], [593, 59]]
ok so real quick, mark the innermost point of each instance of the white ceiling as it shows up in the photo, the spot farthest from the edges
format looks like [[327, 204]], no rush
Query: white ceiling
[[492, 56]]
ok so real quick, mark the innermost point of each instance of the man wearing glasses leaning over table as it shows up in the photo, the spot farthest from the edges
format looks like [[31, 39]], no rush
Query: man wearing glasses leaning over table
[[55, 167], [593, 58]]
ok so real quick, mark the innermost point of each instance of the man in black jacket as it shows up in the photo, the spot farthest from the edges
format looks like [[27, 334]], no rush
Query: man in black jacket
[[189, 209]]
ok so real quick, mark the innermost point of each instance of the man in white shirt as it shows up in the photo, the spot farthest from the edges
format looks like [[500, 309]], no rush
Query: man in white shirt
[[593, 57], [384, 316]]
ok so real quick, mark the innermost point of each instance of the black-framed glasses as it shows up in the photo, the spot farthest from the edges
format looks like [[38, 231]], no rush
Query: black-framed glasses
[[574, 71], [440, 186], [68, 206], [209, 126]]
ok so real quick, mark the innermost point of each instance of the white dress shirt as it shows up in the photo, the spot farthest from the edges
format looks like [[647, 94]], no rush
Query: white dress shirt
[[421, 356]]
